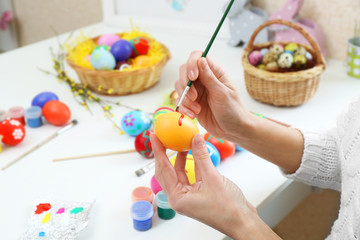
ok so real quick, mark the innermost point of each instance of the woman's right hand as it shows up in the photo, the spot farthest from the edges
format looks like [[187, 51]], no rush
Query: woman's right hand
[[212, 99]]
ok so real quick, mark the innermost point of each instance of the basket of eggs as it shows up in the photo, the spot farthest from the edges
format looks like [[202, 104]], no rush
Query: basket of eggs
[[118, 64], [282, 73]]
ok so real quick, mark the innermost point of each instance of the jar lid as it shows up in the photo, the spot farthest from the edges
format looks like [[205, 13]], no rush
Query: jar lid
[[162, 200], [2, 115], [16, 112], [142, 193], [33, 112], [142, 210]]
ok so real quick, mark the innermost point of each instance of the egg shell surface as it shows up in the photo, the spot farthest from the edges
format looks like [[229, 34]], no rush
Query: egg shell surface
[[175, 131], [225, 148], [102, 59], [143, 144], [12, 132], [108, 39], [42, 98], [121, 50], [189, 167], [56, 112], [135, 122]]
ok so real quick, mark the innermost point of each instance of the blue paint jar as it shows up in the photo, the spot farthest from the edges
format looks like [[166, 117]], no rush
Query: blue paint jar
[[142, 213], [164, 210], [33, 116]]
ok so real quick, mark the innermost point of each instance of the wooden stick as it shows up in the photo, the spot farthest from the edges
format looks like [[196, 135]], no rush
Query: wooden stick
[[57, 133], [94, 155]]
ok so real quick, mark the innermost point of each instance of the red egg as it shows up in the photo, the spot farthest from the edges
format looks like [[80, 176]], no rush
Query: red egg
[[12, 132], [140, 46], [143, 144], [225, 148], [56, 112]]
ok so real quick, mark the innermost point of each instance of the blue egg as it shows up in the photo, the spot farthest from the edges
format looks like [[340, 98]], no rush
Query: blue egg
[[42, 98], [213, 152], [121, 50], [102, 59], [135, 122]]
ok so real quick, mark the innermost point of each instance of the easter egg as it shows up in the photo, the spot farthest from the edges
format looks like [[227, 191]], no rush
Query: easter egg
[[56, 113], [121, 50], [299, 61], [272, 67], [143, 144], [88, 58], [12, 132], [104, 47], [189, 167], [300, 51], [140, 46], [142, 61], [135, 122], [277, 49], [291, 47], [42, 98], [155, 186], [175, 131], [255, 57], [102, 59], [213, 152], [264, 51], [158, 112], [261, 66], [225, 148], [270, 57], [285, 60], [108, 39]]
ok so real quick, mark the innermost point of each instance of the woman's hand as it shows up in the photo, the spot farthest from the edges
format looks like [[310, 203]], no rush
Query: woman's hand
[[213, 199], [212, 99]]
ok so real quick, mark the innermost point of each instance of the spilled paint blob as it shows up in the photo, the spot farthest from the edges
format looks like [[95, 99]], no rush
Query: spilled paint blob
[[41, 234], [180, 119], [60, 211], [77, 210], [42, 207], [46, 218]]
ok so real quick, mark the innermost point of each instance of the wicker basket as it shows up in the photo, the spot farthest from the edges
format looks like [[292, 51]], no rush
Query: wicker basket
[[282, 88], [121, 83]]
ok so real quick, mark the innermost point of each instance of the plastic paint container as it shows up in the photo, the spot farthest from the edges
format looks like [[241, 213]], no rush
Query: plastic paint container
[[142, 213], [17, 113], [2, 115], [34, 116], [155, 186], [164, 210], [142, 193]]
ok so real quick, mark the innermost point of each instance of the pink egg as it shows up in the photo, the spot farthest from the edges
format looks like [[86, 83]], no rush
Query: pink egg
[[255, 57], [108, 39]]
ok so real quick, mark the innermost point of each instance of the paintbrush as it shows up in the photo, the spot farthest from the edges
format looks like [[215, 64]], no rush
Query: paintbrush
[[206, 52], [57, 133]]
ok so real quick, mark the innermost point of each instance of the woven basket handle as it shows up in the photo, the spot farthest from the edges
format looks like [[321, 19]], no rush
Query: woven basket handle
[[313, 43]]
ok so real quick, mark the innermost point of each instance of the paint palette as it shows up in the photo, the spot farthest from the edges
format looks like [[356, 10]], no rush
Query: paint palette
[[57, 220]]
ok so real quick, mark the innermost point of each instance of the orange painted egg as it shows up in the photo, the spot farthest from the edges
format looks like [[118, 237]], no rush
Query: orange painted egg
[[175, 131], [142, 61], [189, 167]]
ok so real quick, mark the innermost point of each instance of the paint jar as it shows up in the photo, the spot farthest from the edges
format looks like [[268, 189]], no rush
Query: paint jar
[[17, 113], [142, 193], [155, 186], [353, 61], [2, 115], [142, 213], [164, 210], [34, 116]]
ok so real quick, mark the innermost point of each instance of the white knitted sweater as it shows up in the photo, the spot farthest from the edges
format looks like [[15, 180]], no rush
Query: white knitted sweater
[[331, 159]]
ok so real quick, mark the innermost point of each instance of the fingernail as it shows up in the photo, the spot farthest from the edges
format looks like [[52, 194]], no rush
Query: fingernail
[[199, 140], [190, 115], [191, 75]]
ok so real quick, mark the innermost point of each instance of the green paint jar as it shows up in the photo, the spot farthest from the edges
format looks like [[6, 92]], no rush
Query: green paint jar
[[353, 60], [164, 210]]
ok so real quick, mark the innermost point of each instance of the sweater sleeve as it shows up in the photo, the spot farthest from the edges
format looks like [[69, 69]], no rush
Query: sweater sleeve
[[320, 164]]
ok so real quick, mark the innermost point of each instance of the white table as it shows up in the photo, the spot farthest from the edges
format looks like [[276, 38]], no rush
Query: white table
[[110, 180]]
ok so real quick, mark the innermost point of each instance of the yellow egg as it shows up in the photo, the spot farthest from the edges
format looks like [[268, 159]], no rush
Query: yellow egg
[[189, 167], [175, 131], [142, 61]]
